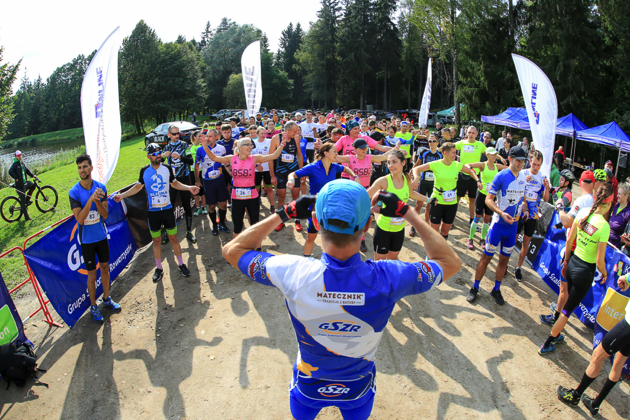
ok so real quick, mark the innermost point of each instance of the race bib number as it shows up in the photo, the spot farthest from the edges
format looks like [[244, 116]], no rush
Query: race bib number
[[396, 221], [448, 195], [243, 193], [159, 201], [429, 176], [93, 217], [287, 157], [469, 149], [488, 186], [531, 195], [214, 174]]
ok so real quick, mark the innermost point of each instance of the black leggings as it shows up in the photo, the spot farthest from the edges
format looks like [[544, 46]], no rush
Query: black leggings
[[238, 212], [185, 196], [580, 276]]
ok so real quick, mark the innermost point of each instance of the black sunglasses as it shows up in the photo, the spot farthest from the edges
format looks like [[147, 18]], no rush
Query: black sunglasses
[[175, 134]]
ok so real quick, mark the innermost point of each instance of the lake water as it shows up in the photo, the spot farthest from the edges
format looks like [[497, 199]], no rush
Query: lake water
[[34, 155]]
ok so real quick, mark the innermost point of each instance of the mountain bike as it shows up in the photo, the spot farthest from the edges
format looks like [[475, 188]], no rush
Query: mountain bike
[[46, 198]]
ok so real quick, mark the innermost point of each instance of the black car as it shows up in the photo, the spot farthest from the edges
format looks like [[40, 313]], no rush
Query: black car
[[159, 134]]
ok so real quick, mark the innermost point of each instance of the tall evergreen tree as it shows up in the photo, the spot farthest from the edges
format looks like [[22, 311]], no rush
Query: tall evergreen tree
[[8, 74]]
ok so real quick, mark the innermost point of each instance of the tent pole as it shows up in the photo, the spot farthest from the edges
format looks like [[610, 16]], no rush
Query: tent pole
[[617, 166]]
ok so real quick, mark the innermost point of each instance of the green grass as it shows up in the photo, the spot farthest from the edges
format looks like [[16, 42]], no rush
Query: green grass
[[132, 158], [53, 136]]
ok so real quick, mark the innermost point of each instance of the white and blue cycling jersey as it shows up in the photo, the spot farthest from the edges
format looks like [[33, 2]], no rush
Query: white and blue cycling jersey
[[209, 168], [157, 182], [391, 141], [339, 309], [534, 192], [509, 191], [236, 132]]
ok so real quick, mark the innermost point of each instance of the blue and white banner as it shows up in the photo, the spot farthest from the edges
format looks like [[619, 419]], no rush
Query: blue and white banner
[[252, 82], [423, 115], [542, 107], [10, 321], [58, 265]]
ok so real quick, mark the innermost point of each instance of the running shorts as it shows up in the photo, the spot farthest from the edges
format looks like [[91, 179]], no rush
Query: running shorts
[[160, 218], [500, 237], [311, 225], [215, 191], [580, 276], [443, 213], [385, 242], [98, 249], [466, 183], [618, 339], [528, 226], [262, 176], [481, 207], [426, 188], [282, 181]]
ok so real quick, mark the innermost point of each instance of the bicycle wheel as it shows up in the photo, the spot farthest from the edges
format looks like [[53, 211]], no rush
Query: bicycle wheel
[[11, 209], [46, 199]]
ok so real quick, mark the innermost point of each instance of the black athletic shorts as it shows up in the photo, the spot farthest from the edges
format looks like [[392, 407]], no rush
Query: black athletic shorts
[[618, 339], [227, 177], [466, 183], [283, 178], [385, 242], [98, 249], [215, 191], [262, 176], [310, 155], [426, 188], [529, 225], [580, 276], [480, 205], [443, 213], [160, 218]]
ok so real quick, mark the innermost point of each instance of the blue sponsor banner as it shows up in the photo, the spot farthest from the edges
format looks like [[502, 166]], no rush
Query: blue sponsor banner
[[58, 265], [10, 321]]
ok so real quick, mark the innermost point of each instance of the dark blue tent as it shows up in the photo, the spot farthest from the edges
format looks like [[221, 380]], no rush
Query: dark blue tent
[[609, 135], [568, 125], [511, 117]]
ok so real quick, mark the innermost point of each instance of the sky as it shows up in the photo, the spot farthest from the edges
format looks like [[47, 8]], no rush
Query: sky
[[47, 34]]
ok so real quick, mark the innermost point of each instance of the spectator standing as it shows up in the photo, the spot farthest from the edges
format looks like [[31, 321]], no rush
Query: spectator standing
[[559, 157], [619, 217]]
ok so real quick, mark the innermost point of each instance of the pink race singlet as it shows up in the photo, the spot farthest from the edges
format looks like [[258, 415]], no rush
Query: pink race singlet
[[361, 168], [243, 178]]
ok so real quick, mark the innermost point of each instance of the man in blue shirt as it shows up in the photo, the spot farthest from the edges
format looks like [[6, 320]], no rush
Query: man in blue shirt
[[340, 305], [88, 201]]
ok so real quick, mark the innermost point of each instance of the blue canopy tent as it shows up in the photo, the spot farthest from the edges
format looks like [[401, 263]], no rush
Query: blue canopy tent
[[609, 135], [449, 112], [568, 126], [511, 117]]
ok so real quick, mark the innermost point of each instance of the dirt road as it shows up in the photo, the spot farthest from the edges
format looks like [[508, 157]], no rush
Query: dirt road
[[218, 346]]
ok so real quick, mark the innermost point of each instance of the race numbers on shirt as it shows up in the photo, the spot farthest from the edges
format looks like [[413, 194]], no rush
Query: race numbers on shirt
[[93, 217], [287, 157], [396, 221], [428, 176], [214, 173], [468, 149], [243, 193], [448, 195], [159, 200]]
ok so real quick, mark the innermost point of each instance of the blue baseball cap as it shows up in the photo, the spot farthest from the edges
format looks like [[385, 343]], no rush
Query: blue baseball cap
[[351, 124], [344, 201]]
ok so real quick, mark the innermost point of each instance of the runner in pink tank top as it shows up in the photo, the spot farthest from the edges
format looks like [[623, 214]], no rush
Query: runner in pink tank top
[[361, 162], [243, 171]]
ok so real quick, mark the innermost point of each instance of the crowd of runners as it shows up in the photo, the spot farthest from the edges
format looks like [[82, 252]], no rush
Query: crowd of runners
[[343, 173]]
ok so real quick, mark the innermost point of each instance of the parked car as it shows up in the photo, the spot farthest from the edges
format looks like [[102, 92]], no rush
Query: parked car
[[220, 114], [159, 134], [301, 111], [434, 118]]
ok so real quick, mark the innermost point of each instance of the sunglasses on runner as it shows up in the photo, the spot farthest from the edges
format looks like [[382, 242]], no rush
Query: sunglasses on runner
[[433, 141], [247, 145], [156, 154], [175, 134]]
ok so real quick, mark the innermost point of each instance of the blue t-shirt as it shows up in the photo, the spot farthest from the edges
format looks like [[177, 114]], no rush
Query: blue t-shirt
[[228, 144], [510, 191], [316, 174], [93, 228], [157, 183], [209, 168], [339, 309]]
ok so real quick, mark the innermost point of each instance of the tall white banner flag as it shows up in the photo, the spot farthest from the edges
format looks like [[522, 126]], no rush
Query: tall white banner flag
[[100, 108], [423, 116], [542, 107], [250, 67]]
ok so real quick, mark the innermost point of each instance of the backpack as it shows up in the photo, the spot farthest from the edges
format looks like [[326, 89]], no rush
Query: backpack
[[18, 363]]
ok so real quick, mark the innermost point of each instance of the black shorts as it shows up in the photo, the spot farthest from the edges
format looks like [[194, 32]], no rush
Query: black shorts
[[227, 177], [283, 178], [311, 226], [215, 191], [426, 188], [528, 225], [385, 242], [310, 155], [262, 176], [466, 183], [160, 218], [443, 213], [481, 207], [580, 276], [618, 339], [98, 249]]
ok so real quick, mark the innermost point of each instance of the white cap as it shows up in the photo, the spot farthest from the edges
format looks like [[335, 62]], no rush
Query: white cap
[[299, 113], [18, 153], [372, 117]]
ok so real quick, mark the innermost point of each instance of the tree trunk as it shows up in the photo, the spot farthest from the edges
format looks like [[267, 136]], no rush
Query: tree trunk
[[455, 82], [420, 84], [137, 123]]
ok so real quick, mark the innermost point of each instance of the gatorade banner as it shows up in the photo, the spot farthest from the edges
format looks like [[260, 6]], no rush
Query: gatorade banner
[[10, 321], [423, 115], [58, 265], [250, 67]]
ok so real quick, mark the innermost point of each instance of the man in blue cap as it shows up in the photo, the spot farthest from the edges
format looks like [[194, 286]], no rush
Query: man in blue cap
[[340, 305]]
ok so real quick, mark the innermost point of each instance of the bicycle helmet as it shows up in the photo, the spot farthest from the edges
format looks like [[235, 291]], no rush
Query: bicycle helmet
[[152, 148], [599, 175], [568, 175]]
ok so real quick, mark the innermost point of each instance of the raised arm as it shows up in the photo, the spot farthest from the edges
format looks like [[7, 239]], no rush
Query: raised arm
[[384, 156], [137, 187]]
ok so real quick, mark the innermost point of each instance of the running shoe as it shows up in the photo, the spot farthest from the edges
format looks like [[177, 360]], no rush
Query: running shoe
[[199, 211], [264, 193], [215, 230], [223, 228], [470, 244], [568, 396], [545, 350], [157, 275], [590, 404], [363, 248], [412, 232], [229, 205], [482, 242], [204, 210], [498, 297], [164, 239], [111, 304], [272, 209], [96, 314], [554, 307], [279, 227], [184, 270], [518, 274], [298, 226], [548, 319], [472, 295], [558, 339], [191, 237]]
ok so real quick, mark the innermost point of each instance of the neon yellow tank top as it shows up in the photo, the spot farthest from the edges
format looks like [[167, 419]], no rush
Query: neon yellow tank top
[[394, 224], [487, 176]]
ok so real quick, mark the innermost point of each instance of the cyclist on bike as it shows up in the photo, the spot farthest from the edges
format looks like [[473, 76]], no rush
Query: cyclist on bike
[[20, 173]]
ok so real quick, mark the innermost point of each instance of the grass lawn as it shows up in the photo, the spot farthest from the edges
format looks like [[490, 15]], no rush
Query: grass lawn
[[63, 135], [132, 158]]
